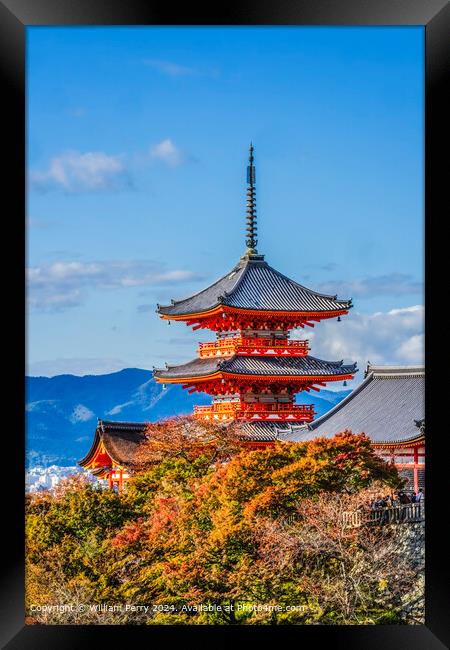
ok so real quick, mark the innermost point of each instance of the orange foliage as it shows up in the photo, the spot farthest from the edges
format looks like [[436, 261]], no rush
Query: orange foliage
[[187, 437]]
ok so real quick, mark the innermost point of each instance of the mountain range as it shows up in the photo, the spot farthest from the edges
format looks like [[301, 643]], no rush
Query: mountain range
[[62, 411]]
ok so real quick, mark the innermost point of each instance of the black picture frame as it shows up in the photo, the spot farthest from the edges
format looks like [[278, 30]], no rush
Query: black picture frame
[[15, 16]]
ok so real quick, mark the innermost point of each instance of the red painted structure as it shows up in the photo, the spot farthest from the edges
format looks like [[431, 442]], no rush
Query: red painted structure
[[254, 369]]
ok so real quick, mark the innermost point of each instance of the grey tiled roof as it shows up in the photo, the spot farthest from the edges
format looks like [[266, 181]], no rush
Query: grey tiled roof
[[295, 366], [253, 284], [282, 366], [198, 367], [111, 427], [263, 431], [385, 407]]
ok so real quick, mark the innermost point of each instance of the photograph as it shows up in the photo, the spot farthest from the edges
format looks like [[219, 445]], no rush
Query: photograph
[[225, 369]]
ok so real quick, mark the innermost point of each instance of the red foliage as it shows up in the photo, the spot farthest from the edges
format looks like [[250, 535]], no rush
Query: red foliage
[[129, 534]]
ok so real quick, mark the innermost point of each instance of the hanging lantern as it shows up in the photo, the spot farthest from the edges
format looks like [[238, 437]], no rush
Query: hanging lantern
[[345, 383], [164, 386], [339, 319]]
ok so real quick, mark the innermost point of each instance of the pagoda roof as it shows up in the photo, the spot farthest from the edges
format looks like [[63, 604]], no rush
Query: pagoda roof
[[120, 439], [270, 366], [254, 285], [388, 406], [263, 431]]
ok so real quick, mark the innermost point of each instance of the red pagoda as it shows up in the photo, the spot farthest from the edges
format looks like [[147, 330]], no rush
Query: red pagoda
[[253, 369]]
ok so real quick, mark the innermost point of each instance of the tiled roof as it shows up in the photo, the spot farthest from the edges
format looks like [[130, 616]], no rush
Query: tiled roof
[[253, 284], [282, 366], [198, 367], [386, 407], [295, 366], [121, 440], [263, 431]]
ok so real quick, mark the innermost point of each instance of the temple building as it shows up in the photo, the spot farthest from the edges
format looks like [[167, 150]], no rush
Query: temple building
[[389, 407], [112, 457], [254, 369]]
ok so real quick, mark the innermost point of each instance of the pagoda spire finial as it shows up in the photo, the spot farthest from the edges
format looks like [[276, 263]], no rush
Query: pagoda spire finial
[[251, 238]]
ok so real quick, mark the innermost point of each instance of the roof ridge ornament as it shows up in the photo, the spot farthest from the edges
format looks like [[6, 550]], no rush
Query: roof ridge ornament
[[252, 228]]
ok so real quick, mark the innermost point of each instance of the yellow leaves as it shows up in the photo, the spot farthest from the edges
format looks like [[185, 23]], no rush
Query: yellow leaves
[[224, 524], [269, 499], [190, 528], [304, 470]]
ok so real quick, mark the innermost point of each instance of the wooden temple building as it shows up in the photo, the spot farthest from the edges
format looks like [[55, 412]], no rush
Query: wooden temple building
[[389, 407], [113, 455], [253, 370]]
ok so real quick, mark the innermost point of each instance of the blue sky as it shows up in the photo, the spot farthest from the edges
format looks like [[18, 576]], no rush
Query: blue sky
[[136, 155]]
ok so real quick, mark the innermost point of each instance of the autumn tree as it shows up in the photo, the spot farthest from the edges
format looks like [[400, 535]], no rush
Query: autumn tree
[[198, 543], [342, 575], [208, 520], [188, 438]]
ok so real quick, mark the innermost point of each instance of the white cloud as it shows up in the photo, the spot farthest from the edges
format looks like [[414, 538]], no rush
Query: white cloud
[[393, 337], [57, 286], [81, 413], [95, 171], [167, 152], [74, 171], [412, 349], [169, 68], [393, 284]]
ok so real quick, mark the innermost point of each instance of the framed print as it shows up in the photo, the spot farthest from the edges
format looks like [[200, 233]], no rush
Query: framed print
[[227, 241]]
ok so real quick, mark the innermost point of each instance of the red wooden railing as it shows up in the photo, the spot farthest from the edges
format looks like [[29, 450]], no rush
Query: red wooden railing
[[253, 346], [255, 411]]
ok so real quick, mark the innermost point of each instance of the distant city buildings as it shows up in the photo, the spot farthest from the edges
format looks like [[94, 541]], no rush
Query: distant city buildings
[[45, 478]]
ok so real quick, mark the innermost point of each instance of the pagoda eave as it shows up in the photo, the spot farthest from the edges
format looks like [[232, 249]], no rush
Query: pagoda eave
[[200, 318], [413, 442], [186, 380], [192, 380]]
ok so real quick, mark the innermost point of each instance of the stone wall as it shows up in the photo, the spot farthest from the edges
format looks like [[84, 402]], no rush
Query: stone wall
[[410, 540]]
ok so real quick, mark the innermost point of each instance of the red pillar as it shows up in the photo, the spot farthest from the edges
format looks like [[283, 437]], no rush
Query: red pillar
[[416, 470], [120, 480], [110, 481]]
